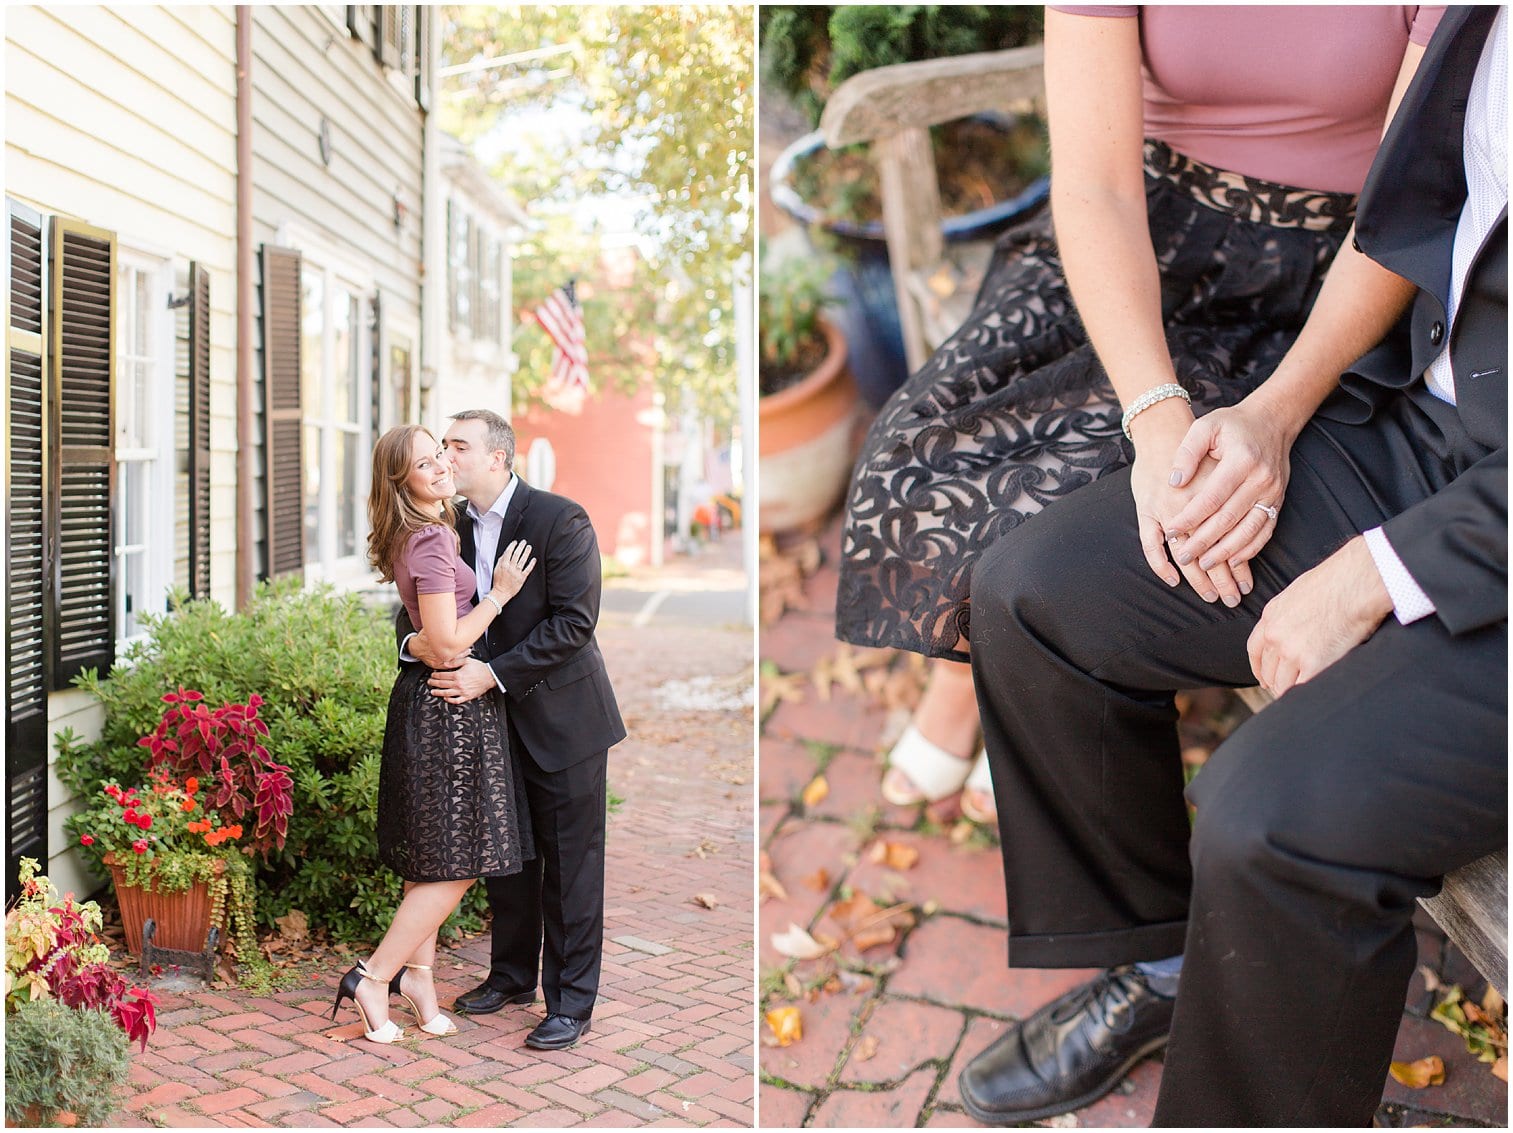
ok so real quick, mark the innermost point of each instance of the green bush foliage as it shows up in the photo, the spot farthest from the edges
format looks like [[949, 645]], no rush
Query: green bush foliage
[[324, 664], [60, 1059]]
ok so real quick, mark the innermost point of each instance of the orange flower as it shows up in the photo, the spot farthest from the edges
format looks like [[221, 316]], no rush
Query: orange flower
[[187, 805], [235, 831], [191, 785]]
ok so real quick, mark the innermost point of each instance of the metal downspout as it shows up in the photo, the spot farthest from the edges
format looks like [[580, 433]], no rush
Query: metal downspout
[[246, 530]]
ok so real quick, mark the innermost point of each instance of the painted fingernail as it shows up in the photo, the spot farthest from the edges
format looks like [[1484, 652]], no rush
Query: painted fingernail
[[1207, 563], [1231, 600], [1210, 597], [1174, 580], [1175, 478], [1246, 586], [1184, 558]]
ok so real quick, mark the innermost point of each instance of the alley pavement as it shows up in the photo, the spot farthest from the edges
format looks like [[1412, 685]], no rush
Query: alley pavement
[[672, 1037], [886, 1030]]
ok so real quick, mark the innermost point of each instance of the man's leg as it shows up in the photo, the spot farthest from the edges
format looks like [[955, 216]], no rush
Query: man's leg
[[1319, 824]]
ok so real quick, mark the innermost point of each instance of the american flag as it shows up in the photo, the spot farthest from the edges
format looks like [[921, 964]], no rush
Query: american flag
[[562, 319]]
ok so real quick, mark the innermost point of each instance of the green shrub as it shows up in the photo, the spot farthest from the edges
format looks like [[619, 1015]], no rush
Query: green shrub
[[61, 1059], [324, 664]]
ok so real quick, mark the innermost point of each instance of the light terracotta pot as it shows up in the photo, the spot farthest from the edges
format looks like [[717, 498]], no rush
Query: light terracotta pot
[[804, 446], [183, 918]]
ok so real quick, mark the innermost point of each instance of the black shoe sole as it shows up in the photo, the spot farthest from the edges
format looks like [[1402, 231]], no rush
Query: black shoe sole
[[989, 1117], [524, 999], [558, 1046]]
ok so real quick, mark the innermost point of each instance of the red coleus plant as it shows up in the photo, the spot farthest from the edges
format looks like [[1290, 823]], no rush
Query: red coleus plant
[[224, 748], [100, 986]]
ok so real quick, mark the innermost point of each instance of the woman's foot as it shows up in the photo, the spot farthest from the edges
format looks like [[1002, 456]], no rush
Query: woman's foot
[[933, 757], [415, 984], [367, 993], [920, 771], [977, 801]]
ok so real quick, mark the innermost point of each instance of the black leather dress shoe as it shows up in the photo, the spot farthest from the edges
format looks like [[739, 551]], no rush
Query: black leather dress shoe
[[485, 999], [1070, 1053], [557, 1032]]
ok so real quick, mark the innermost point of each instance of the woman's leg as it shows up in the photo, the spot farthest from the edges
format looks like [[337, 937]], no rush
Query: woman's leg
[[947, 716], [425, 906]]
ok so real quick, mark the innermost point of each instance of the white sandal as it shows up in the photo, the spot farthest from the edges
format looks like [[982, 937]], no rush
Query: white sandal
[[438, 1025], [980, 781], [933, 771]]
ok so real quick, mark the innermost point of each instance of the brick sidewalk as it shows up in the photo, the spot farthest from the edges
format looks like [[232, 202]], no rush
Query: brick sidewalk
[[884, 1039], [672, 1035]]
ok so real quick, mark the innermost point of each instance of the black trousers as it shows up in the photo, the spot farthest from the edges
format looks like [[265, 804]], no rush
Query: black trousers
[[1318, 823], [559, 895]]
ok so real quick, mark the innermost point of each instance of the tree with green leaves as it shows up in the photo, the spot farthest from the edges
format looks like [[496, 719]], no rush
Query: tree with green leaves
[[619, 125]]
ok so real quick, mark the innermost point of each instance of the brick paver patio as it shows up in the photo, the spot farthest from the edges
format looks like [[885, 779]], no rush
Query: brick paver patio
[[671, 1043], [886, 1031]]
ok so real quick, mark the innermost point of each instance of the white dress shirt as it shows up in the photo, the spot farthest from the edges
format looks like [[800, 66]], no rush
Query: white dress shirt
[[1486, 160]]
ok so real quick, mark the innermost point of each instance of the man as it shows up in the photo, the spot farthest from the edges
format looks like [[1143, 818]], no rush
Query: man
[[1382, 765], [563, 719]]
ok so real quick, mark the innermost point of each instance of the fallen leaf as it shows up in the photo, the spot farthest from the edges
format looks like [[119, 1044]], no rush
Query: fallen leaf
[[792, 986], [895, 855], [705, 900], [815, 792], [1492, 1001], [1421, 1074], [873, 936], [294, 927], [787, 1025], [767, 883], [961, 832], [866, 1050], [819, 880], [1062, 1121], [1500, 1068], [1431, 980], [798, 944]]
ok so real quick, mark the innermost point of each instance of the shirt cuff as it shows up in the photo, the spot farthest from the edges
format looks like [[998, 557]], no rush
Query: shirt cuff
[[497, 681], [404, 648], [1409, 602]]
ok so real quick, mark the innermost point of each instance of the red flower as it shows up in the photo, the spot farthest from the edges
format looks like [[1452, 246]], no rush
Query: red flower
[[86, 840], [187, 805], [131, 816], [140, 845], [191, 785], [145, 821]]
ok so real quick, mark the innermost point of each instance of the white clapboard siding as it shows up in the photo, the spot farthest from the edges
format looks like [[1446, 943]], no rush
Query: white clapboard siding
[[126, 119]]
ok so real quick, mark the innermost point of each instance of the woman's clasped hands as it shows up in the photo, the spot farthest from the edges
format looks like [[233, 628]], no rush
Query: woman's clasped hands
[[1209, 496]]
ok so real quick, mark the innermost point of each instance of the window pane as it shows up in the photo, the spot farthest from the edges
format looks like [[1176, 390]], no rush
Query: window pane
[[312, 299], [346, 494], [344, 354], [311, 457], [131, 476]]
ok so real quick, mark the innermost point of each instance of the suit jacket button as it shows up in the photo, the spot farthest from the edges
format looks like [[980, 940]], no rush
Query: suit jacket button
[[1436, 334]]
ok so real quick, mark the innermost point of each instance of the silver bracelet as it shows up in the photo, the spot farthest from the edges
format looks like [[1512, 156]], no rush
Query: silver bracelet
[[1149, 398], [492, 601]]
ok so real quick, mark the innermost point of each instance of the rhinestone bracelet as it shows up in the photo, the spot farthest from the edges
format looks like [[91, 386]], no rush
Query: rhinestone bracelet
[[1149, 398]]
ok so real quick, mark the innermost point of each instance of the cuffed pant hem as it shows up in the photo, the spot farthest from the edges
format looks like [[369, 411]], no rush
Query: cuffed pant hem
[[1098, 949]]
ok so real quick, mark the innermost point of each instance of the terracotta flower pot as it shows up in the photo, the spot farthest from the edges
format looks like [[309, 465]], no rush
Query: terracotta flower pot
[[805, 443], [182, 918]]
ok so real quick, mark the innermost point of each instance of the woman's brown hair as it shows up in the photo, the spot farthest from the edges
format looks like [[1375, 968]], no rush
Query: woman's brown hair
[[393, 514]]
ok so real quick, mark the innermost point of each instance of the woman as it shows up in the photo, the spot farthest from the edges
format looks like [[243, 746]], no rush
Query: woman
[[1190, 285], [447, 787]]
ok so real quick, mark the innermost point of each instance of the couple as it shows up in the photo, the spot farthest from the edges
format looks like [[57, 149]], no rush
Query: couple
[[495, 768], [1358, 544]]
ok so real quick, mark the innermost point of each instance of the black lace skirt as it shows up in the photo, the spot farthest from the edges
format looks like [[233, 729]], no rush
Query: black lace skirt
[[451, 796], [1014, 411]]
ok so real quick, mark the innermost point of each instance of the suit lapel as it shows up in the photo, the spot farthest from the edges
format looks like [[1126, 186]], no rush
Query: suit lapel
[[518, 503], [464, 532]]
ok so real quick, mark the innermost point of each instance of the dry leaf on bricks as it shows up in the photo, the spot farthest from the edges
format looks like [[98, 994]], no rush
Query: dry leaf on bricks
[[799, 945], [1419, 1075], [767, 883], [819, 880], [895, 855], [866, 1050], [816, 791], [786, 1024], [704, 900]]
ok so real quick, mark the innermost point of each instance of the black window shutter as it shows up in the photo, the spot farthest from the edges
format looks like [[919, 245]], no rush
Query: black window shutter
[[25, 554], [199, 431], [423, 56], [81, 403], [281, 411]]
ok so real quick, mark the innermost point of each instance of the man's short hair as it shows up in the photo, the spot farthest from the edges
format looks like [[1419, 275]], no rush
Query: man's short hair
[[501, 438]]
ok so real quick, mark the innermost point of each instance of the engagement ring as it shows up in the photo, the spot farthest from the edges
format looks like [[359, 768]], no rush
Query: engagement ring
[[1271, 512]]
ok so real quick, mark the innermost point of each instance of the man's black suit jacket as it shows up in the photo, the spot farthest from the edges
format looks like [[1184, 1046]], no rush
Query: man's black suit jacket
[[1455, 543], [542, 647]]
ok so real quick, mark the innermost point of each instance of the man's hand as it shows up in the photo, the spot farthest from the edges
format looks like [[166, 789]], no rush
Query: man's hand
[[468, 682], [1324, 614]]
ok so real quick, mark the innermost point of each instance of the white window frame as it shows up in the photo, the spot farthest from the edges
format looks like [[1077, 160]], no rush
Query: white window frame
[[159, 453], [316, 256]]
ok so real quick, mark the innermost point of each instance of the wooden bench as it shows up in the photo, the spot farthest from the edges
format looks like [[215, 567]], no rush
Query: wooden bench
[[892, 108]]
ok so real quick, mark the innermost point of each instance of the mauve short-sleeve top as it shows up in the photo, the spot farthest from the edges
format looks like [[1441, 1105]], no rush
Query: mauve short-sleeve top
[[1295, 94], [429, 564]]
